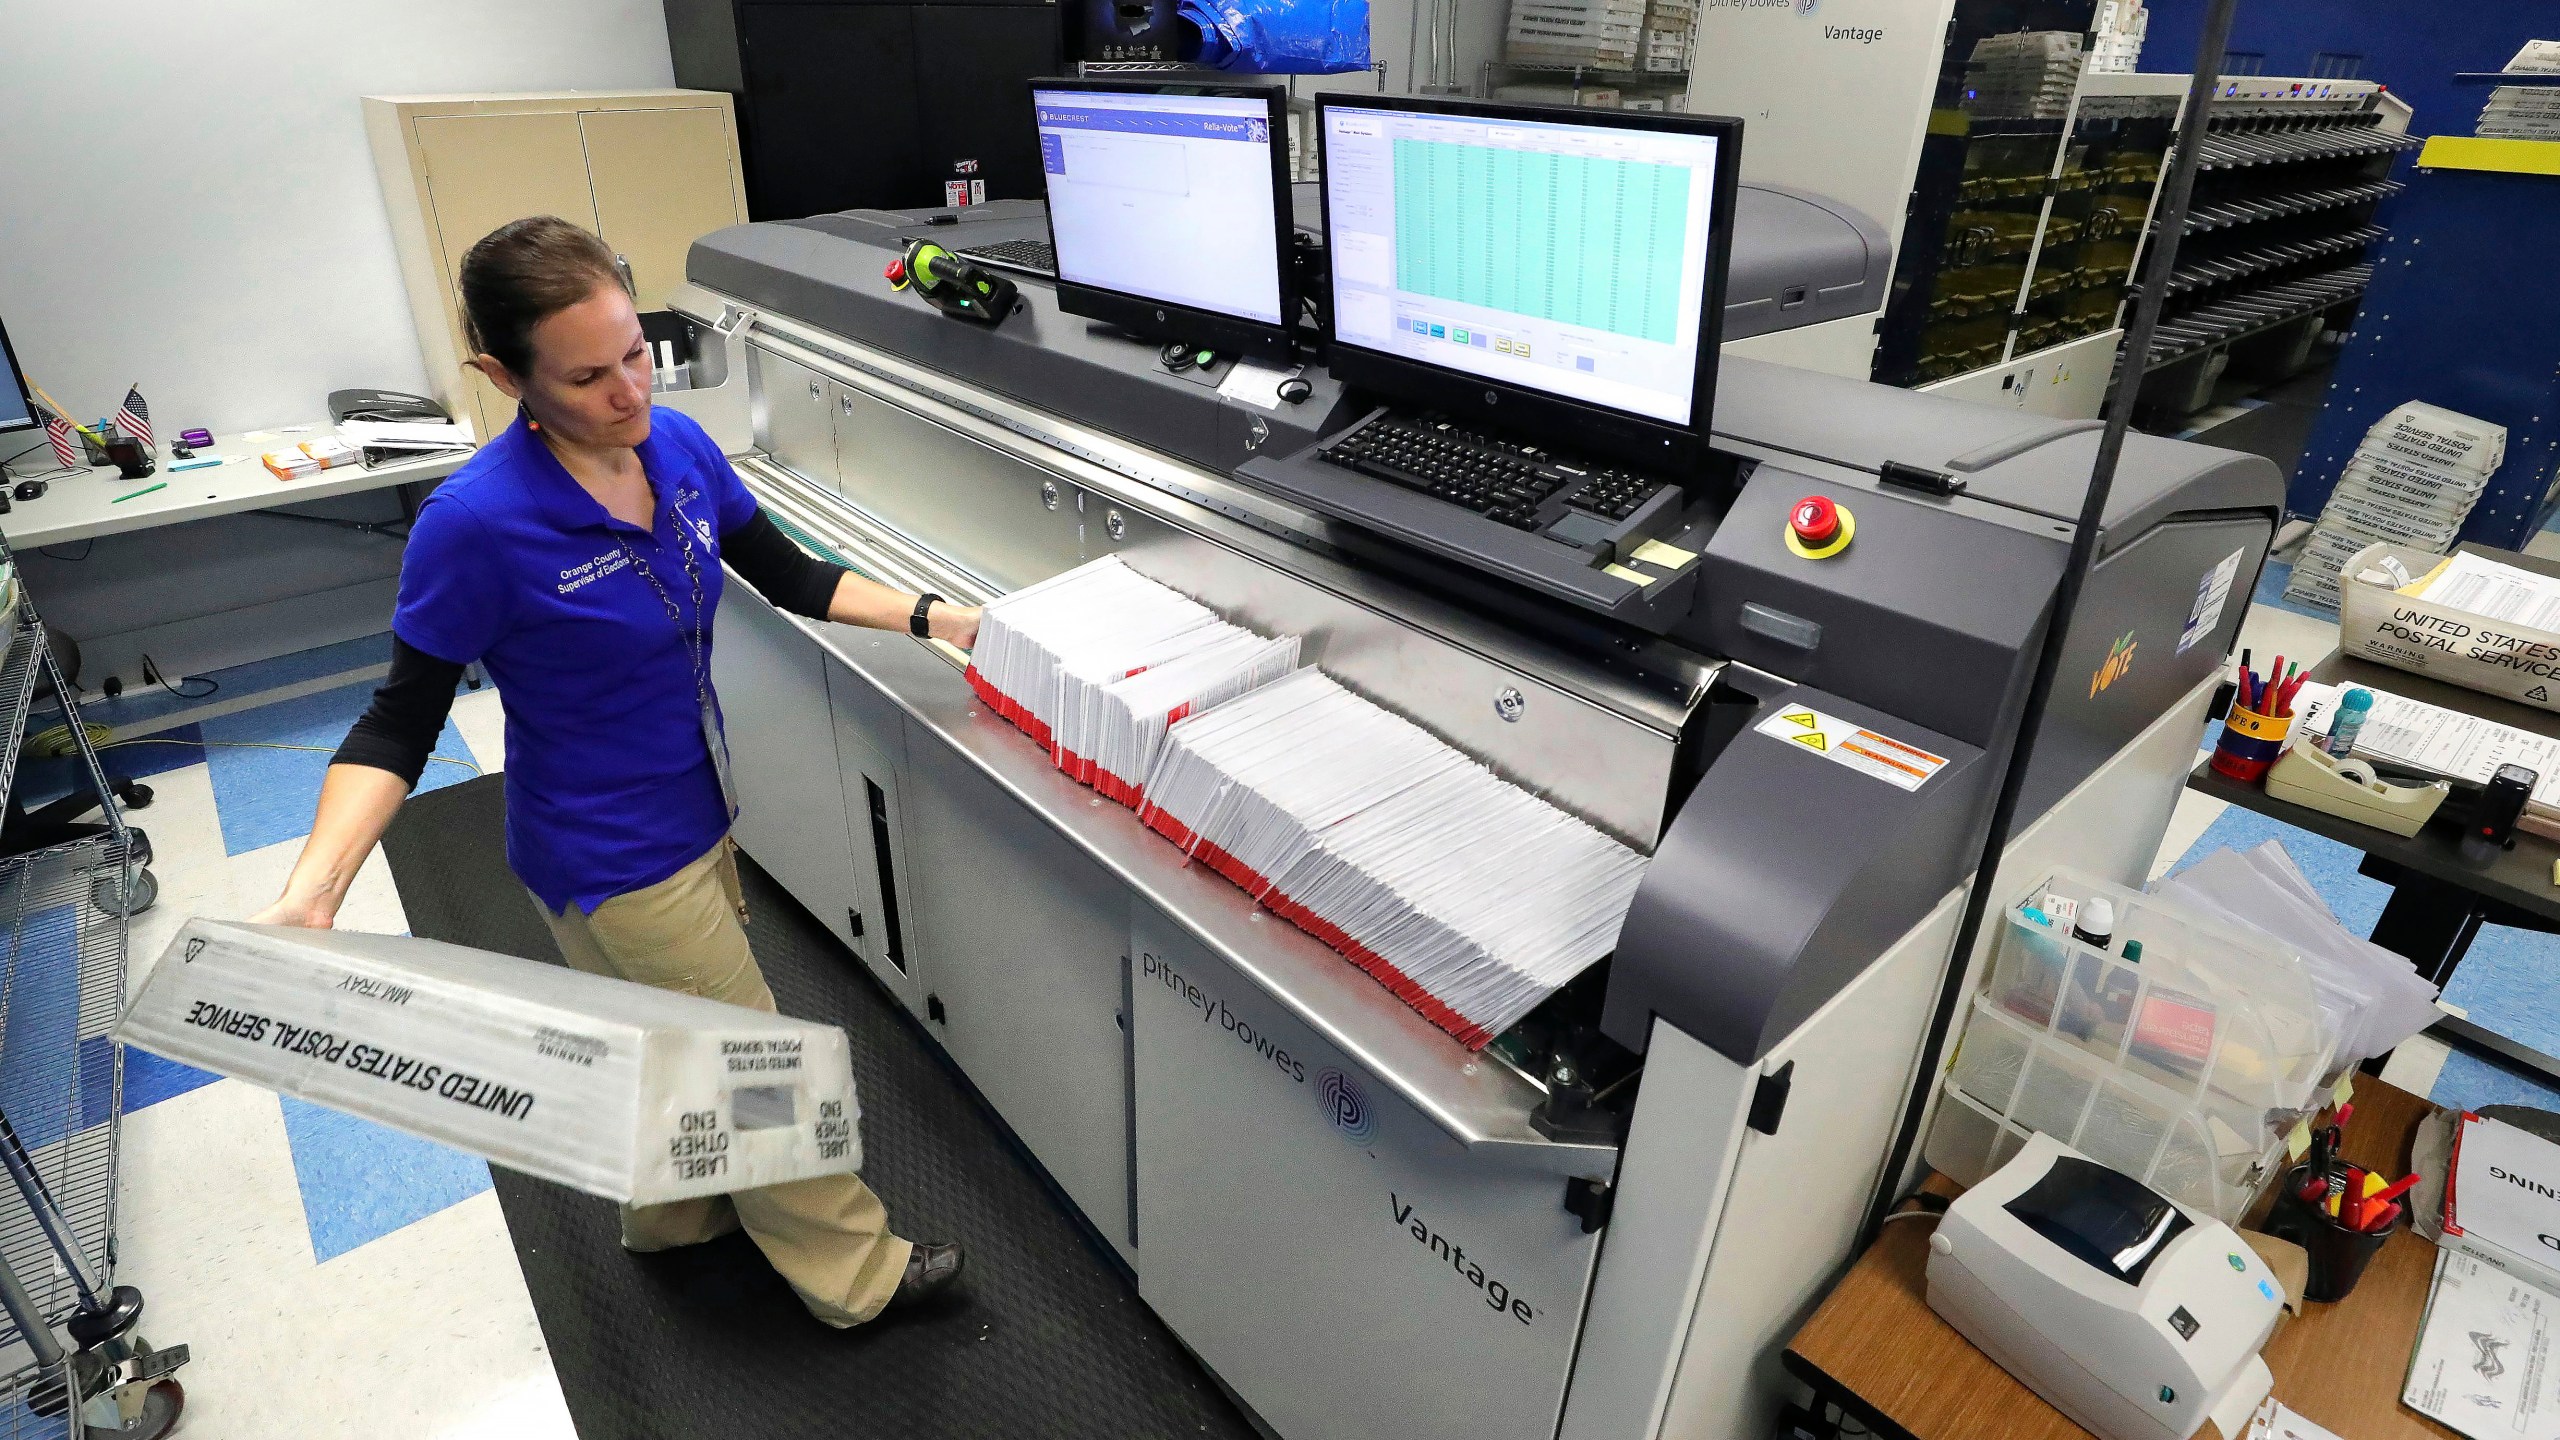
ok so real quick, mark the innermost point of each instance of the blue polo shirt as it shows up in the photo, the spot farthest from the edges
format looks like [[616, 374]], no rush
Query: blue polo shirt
[[610, 786]]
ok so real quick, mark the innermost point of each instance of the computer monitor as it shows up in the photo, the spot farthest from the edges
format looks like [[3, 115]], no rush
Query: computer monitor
[[1169, 209], [17, 398], [1557, 273]]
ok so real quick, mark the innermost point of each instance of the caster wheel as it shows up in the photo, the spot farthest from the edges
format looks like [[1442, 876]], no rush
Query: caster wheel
[[162, 1404], [117, 898], [135, 795]]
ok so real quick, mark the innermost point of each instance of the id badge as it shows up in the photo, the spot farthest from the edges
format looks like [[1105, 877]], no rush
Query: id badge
[[719, 747]]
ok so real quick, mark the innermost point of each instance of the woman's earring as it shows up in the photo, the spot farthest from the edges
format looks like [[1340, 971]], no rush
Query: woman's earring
[[525, 412]]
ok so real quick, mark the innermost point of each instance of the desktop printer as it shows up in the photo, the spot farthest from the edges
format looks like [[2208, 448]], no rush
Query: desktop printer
[[2133, 1315]]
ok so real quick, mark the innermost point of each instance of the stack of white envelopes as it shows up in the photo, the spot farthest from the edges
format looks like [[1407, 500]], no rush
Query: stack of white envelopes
[[1096, 662], [1369, 833]]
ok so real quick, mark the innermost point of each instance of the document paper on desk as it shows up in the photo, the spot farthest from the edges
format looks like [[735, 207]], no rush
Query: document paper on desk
[[2483, 1361], [2419, 736], [2493, 591]]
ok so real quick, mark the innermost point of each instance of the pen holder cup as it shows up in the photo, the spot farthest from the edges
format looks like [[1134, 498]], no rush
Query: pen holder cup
[[2250, 743], [132, 458], [2338, 1254]]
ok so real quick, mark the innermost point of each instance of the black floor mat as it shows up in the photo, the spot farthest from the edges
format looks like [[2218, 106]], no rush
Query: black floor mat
[[1047, 1339]]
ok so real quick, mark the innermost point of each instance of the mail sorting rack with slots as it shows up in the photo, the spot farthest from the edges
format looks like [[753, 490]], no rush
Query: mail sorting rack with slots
[[2278, 233], [1366, 1229]]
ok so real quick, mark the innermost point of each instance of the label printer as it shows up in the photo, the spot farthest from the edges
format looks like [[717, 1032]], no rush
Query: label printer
[[1795, 692]]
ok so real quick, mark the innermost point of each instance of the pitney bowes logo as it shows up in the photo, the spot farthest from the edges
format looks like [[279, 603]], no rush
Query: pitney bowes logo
[[1807, 7], [1345, 1106]]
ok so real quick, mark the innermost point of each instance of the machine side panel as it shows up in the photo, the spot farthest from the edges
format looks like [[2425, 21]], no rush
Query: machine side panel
[[1669, 1199], [870, 756], [1027, 938], [1791, 1219], [1785, 874], [2131, 655], [977, 505], [772, 682], [1929, 613], [1344, 1266]]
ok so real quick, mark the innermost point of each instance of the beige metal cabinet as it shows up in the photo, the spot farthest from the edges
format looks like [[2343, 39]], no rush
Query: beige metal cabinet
[[649, 170]]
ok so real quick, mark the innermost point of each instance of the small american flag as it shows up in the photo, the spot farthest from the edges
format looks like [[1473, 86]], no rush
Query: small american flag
[[58, 430], [133, 417]]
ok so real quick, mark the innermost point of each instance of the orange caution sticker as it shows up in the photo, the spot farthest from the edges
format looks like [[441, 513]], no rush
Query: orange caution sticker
[[1846, 742]]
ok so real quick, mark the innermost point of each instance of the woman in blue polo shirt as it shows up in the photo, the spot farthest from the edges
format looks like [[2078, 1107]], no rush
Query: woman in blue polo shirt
[[578, 557]]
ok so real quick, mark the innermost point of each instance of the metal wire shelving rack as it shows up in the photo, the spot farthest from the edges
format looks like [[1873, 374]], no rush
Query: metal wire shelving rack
[[70, 1364]]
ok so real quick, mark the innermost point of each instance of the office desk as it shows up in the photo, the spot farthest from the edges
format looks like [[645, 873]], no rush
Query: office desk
[[83, 507], [2444, 886], [1878, 1351]]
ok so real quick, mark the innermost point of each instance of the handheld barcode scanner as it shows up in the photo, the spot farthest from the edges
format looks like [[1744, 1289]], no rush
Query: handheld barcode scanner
[[952, 285]]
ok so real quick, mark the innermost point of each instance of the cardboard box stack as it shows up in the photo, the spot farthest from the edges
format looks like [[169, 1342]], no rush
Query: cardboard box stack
[[2411, 483], [1670, 29], [2525, 112], [2121, 26], [2027, 75], [1599, 97], [1599, 34]]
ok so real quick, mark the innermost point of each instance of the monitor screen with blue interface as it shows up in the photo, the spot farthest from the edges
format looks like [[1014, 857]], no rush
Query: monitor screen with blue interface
[[1167, 197], [1567, 258], [17, 412]]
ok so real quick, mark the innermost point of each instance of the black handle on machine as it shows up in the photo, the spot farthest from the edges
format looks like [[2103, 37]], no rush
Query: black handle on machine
[[952, 285]]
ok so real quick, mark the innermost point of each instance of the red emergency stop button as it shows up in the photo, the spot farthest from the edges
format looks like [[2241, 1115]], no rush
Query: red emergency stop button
[[1819, 527], [896, 274]]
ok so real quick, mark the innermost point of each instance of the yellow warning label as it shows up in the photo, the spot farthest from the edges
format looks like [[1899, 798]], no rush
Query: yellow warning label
[[1846, 742]]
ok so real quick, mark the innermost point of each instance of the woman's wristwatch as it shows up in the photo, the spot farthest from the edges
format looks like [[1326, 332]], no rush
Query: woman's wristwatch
[[917, 625]]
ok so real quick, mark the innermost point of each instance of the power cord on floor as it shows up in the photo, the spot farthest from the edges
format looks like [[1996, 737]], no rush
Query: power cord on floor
[[151, 676], [54, 743]]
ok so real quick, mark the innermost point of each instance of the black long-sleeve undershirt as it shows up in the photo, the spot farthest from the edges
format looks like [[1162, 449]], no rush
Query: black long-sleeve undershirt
[[398, 731]]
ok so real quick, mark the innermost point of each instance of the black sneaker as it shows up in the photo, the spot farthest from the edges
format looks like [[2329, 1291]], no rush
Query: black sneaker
[[931, 1269]]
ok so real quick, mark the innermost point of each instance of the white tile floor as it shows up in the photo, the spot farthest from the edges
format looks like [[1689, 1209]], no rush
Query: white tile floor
[[422, 1330]]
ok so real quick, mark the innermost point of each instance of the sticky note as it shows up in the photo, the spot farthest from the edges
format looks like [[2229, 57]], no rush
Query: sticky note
[[1672, 557], [1623, 573], [2345, 1087], [2297, 1141]]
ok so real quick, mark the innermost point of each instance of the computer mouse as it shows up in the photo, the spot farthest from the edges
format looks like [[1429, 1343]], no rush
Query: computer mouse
[[29, 490], [1296, 388]]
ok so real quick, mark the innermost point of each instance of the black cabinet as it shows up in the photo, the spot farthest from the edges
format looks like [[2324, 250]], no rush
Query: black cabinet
[[844, 105]]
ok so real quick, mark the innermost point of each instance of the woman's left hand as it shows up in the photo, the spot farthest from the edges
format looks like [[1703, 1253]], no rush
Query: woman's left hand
[[954, 624]]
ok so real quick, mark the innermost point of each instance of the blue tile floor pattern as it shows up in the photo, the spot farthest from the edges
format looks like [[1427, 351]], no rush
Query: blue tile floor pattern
[[361, 1181], [358, 1181], [263, 796]]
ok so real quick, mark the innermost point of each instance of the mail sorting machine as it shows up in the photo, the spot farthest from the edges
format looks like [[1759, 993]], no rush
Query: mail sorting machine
[[1603, 1225]]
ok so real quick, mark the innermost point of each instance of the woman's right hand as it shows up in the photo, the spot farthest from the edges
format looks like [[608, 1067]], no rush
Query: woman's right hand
[[300, 912]]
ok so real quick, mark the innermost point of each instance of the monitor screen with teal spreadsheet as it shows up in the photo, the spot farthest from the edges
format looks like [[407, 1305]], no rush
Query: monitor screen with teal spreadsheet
[[1568, 253]]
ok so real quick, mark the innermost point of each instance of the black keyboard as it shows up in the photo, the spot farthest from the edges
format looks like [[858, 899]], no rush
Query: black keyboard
[[1035, 256], [1523, 486]]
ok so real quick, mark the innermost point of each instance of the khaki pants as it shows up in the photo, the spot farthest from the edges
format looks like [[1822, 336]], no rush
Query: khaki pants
[[829, 1236]]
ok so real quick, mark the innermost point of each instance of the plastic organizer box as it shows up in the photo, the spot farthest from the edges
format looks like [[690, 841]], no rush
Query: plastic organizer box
[[2185, 1069]]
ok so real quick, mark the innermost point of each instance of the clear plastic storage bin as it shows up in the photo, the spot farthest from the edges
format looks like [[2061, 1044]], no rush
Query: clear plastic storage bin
[[2185, 1068]]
